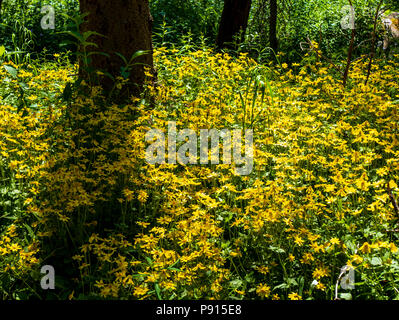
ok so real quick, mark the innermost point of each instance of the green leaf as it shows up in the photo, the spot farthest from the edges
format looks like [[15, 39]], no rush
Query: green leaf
[[23, 85], [99, 53], [281, 286], [236, 283], [11, 70], [88, 34], [158, 291], [2, 50], [122, 57], [74, 34], [172, 267], [292, 282], [149, 261], [138, 54], [31, 233], [276, 249], [345, 296], [108, 75], [376, 261]]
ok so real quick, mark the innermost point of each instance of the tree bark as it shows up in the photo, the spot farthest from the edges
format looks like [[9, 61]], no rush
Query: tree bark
[[273, 25], [233, 21], [350, 52], [374, 37], [126, 27]]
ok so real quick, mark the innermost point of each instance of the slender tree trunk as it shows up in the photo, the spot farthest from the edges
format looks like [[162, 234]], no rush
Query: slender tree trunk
[[350, 52], [126, 27], [273, 25], [374, 37], [234, 21]]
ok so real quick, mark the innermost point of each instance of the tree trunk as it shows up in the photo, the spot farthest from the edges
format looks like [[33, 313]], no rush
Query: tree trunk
[[233, 22], [126, 27], [273, 25]]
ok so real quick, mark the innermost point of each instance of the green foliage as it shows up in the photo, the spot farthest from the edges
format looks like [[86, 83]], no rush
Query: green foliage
[[180, 17], [21, 32], [75, 190], [318, 20]]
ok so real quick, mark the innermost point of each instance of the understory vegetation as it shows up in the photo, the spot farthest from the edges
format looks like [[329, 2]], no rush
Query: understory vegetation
[[76, 190], [77, 193]]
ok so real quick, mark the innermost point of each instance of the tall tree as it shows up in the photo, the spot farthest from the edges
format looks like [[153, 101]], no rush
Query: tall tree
[[126, 28], [273, 25], [234, 21]]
